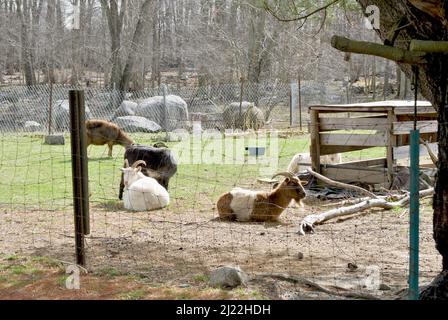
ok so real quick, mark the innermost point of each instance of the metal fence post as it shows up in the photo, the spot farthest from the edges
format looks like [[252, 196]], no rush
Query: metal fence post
[[50, 109], [165, 110], [414, 215], [293, 103], [79, 172], [299, 82]]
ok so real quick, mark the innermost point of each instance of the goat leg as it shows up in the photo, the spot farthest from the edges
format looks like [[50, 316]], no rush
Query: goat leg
[[120, 193]]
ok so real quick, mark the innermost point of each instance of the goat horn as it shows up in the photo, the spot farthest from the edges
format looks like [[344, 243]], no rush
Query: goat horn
[[126, 163], [284, 174], [138, 162]]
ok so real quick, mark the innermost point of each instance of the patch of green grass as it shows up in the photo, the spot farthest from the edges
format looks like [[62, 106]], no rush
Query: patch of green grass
[[23, 269], [61, 280], [109, 272], [12, 258], [201, 278], [137, 294], [45, 261], [33, 174]]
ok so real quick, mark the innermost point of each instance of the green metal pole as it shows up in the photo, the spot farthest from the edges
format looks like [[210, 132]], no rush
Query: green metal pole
[[414, 215]]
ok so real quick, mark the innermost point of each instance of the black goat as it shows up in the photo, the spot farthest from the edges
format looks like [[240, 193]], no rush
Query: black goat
[[160, 163]]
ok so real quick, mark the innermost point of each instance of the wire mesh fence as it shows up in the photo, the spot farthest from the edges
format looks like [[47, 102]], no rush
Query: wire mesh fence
[[32, 109], [362, 256]]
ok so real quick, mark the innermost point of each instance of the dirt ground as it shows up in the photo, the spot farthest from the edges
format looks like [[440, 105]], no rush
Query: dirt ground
[[175, 250]]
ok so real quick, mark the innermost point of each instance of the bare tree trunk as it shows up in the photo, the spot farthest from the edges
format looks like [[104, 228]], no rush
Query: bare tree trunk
[[155, 65], [386, 80], [115, 22], [51, 6], [255, 52], [23, 11], [137, 41]]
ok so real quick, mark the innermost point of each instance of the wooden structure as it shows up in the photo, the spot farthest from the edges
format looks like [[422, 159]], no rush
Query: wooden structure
[[351, 127]]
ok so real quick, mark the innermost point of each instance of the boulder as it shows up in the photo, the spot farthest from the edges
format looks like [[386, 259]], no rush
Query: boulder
[[127, 108], [61, 115], [32, 126], [251, 117], [137, 124], [228, 277], [55, 140], [176, 111]]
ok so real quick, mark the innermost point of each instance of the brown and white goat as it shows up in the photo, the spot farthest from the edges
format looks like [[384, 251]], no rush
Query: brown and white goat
[[248, 205], [100, 132]]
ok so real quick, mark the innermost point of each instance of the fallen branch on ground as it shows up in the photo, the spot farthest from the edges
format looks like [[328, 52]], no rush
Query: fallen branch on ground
[[317, 287], [310, 221], [342, 185], [433, 157]]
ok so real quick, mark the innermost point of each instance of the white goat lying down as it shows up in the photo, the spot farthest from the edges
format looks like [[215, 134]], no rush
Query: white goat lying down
[[295, 165], [247, 205], [142, 193]]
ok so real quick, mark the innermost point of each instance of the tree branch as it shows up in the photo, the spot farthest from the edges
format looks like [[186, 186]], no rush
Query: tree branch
[[375, 49], [342, 185], [309, 222], [429, 46], [304, 17]]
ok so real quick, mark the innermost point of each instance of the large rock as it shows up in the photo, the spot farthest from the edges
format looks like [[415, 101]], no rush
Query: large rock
[[137, 124], [55, 139], [32, 126], [250, 117], [127, 108], [176, 111], [61, 115], [228, 277]]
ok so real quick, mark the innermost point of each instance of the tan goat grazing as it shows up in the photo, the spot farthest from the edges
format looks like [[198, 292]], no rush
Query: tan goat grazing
[[101, 132], [247, 205]]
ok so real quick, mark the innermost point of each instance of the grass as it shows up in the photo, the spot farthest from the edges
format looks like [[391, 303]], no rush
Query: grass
[[35, 277], [201, 278], [108, 272], [137, 294], [33, 174]]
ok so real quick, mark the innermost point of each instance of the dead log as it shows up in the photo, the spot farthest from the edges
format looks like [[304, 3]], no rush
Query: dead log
[[310, 221], [342, 185]]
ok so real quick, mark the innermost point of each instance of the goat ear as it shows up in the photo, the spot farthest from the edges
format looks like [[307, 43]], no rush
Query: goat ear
[[303, 183]]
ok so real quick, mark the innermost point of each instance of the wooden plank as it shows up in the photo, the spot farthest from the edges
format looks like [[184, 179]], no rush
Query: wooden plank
[[410, 110], [351, 175], [391, 142], [324, 150], [376, 106], [361, 123], [365, 163], [406, 126], [315, 141], [403, 151], [365, 140]]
